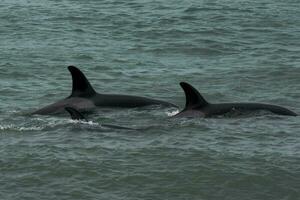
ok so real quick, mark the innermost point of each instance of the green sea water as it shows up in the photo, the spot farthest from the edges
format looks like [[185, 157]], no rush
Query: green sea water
[[231, 51]]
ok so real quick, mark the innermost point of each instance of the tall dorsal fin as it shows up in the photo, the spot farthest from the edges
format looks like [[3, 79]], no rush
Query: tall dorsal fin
[[75, 114], [81, 86], [193, 97]]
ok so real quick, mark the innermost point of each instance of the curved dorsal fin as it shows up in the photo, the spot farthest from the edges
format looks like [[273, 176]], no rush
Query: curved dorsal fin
[[193, 97], [81, 86], [75, 114]]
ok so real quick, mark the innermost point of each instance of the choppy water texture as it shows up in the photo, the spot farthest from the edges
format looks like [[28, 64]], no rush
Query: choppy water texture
[[229, 50]]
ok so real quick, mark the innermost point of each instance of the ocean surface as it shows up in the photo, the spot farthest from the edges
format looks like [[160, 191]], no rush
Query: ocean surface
[[231, 51]]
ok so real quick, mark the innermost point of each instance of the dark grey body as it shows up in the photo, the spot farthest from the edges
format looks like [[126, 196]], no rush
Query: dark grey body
[[197, 106], [114, 100], [99, 100], [79, 103], [85, 98], [223, 108]]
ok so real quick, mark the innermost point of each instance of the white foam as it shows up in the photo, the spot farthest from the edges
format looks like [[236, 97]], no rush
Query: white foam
[[5, 127], [172, 113], [83, 122], [15, 128], [34, 128]]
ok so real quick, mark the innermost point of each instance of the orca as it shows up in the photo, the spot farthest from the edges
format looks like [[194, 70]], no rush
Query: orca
[[197, 106], [84, 98], [76, 115]]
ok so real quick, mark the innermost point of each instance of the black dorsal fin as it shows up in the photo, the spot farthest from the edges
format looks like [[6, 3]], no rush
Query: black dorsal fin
[[75, 114], [193, 97], [81, 87]]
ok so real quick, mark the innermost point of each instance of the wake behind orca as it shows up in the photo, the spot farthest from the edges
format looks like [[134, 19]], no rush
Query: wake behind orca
[[85, 98], [197, 106]]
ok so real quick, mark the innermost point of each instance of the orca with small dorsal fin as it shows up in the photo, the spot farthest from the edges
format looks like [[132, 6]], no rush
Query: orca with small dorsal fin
[[197, 106], [76, 115], [85, 98]]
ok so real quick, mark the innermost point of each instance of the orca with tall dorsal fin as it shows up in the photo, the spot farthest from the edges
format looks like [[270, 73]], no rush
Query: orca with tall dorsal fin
[[85, 98], [76, 115], [197, 106]]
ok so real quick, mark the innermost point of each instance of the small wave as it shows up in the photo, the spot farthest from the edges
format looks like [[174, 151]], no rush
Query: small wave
[[78, 30], [84, 57], [11, 127]]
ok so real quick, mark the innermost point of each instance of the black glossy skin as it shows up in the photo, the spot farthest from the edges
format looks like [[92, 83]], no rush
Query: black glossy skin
[[99, 100], [125, 101], [197, 106], [85, 98]]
